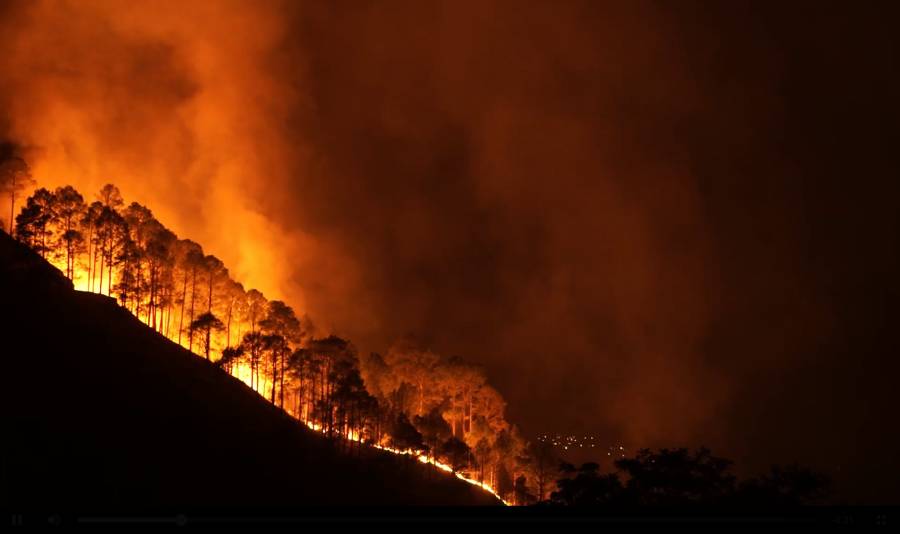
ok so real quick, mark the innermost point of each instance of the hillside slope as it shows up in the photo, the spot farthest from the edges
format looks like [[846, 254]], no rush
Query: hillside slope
[[99, 410]]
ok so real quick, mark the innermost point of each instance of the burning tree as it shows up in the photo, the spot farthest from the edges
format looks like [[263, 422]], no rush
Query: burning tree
[[207, 324], [412, 399], [69, 207], [33, 223], [15, 177], [283, 329]]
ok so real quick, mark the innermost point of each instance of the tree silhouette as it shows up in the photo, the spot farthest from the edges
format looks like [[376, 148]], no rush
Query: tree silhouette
[[253, 345], [369, 416], [15, 177], [313, 365], [281, 321], [137, 283], [215, 273], [404, 436], [111, 231], [275, 345], [506, 450], [791, 485], [434, 428], [33, 222], [111, 235], [585, 486], [674, 477], [679, 478], [455, 452], [256, 308], [416, 367], [68, 210], [193, 262], [110, 197], [522, 495], [207, 323], [186, 254], [334, 357], [504, 483], [297, 371], [230, 356], [89, 222], [159, 253], [458, 382], [483, 453], [544, 463], [353, 402], [234, 296]]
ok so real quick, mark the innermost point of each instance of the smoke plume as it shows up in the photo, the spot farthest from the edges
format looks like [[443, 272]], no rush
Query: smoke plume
[[616, 208]]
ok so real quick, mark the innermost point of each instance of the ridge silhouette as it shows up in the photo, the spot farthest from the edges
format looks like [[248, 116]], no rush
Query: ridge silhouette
[[100, 410]]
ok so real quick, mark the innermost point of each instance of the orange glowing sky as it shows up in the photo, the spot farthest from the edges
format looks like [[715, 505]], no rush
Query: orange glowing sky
[[178, 114], [645, 219]]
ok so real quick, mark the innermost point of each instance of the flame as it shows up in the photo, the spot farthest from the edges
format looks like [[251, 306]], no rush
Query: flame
[[425, 459], [243, 372], [353, 435]]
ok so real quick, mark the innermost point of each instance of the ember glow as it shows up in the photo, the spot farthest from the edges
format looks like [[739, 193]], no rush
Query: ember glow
[[423, 458]]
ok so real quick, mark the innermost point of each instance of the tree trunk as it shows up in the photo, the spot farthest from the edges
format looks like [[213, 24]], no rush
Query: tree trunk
[[102, 261], [300, 394], [169, 315], [228, 323], [181, 315], [209, 303], [193, 293], [274, 372], [12, 205], [68, 254], [89, 285], [310, 403], [151, 310], [94, 271], [281, 381], [110, 269]]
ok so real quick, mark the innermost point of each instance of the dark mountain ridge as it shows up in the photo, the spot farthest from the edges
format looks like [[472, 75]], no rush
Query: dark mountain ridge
[[100, 410]]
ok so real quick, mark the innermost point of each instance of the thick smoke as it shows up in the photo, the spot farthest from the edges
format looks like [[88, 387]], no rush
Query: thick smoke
[[177, 103], [618, 209]]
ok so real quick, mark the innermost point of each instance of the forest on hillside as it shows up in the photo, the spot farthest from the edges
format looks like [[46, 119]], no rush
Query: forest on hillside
[[408, 400]]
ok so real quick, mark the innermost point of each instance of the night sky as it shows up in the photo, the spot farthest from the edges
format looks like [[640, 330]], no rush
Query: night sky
[[664, 223]]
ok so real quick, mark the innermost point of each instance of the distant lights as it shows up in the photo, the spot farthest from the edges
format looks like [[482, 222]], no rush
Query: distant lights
[[565, 442]]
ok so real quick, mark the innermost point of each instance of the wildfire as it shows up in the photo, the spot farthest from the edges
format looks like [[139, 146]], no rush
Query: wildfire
[[352, 435], [174, 288], [242, 372], [444, 467], [197, 122]]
